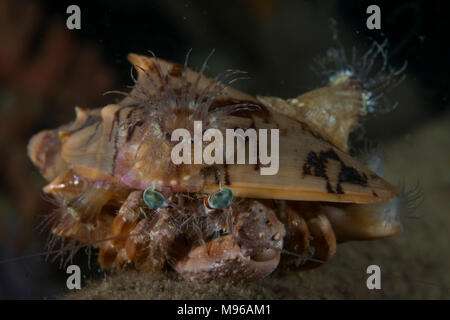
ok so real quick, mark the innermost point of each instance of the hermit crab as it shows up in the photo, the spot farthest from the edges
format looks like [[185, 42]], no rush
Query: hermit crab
[[118, 189]]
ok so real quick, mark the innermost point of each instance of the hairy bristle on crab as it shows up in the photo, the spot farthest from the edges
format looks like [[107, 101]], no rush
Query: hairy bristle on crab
[[83, 212], [174, 96]]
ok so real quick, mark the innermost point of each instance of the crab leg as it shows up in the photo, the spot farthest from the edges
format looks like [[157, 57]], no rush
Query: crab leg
[[123, 223], [150, 248], [146, 238], [323, 240], [309, 236]]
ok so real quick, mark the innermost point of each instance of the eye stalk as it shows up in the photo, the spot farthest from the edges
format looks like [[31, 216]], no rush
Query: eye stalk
[[220, 199], [153, 198]]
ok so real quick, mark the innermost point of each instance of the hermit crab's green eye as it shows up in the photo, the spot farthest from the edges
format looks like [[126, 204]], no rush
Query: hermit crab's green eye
[[221, 199], [153, 198]]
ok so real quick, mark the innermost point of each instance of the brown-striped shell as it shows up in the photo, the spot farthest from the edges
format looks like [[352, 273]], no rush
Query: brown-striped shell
[[119, 144]]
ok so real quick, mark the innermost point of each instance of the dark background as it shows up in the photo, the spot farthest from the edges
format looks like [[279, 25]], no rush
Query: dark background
[[276, 42]]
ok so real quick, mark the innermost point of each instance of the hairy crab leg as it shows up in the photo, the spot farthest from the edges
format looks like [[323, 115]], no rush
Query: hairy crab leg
[[123, 223], [151, 236]]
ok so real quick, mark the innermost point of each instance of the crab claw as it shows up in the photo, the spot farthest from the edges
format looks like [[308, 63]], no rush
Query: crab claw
[[252, 252]]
